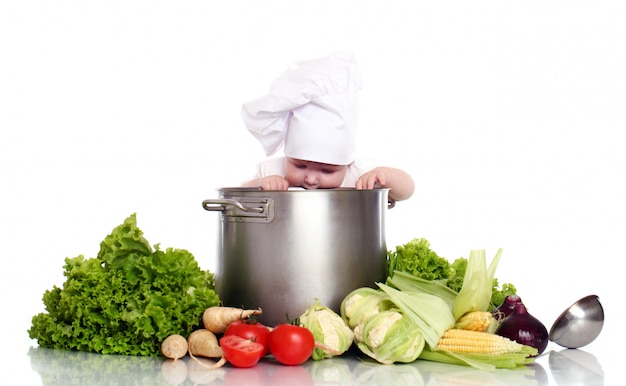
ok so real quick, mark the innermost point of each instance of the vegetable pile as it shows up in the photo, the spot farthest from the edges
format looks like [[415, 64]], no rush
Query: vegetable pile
[[127, 299], [433, 310], [426, 309], [139, 300]]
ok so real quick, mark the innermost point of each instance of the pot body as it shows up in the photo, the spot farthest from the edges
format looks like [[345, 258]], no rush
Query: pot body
[[282, 250]]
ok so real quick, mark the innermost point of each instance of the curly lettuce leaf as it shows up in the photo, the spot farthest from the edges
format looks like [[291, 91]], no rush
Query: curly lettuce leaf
[[127, 299], [417, 258]]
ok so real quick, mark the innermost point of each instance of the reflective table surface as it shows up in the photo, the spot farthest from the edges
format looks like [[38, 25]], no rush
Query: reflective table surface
[[556, 366]]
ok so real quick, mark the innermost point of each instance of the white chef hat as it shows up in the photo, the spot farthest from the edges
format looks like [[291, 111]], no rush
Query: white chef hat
[[311, 110]]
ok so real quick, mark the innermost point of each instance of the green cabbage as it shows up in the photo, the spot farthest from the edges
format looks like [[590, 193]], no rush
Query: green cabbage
[[363, 303], [389, 337], [127, 299], [381, 330], [430, 313]]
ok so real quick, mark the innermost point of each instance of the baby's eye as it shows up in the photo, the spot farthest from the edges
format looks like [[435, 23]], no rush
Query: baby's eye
[[300, 166], [328, 171]]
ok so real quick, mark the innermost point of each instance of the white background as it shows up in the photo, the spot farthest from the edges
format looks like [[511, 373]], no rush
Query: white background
[[508, 114]]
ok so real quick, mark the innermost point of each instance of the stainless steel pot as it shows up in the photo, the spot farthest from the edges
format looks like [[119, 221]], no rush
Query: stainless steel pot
[[281, 250]]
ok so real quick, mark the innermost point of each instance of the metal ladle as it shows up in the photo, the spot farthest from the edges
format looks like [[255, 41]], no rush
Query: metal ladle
[[580, 324]]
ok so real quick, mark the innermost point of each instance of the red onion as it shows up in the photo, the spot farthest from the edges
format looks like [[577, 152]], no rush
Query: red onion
[[506, 308], [524, 328]]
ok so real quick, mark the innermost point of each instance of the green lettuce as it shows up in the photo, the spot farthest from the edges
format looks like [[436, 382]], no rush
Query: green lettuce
[[127, 299], [418, 259]]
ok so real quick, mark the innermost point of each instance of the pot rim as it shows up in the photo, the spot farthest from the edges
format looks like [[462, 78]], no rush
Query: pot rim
[[300, 190]]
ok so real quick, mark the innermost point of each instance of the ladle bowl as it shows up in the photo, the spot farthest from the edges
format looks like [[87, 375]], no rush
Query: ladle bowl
[[580, 324]]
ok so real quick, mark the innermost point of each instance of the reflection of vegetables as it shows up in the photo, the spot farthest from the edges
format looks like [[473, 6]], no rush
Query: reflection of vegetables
[[333, 371], [68, 368], [126, 300], [370, 373], [443, 374], [203, 371], [174, 371], [332, 335]]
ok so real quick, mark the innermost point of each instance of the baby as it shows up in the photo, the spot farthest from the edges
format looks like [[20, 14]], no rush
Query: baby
[[311, 112]]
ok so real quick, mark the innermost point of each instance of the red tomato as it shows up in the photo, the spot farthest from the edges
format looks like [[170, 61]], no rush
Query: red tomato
[[241, 352], [251, 330], [291, 344]]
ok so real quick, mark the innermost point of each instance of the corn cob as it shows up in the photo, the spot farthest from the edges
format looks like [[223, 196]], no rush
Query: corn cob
[[465, 341], [482, 321]]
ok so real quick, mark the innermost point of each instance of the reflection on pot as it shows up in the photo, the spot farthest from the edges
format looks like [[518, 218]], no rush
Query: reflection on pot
[[575, 367]]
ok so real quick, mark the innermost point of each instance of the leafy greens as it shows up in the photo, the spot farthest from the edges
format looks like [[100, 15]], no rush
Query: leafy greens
[[127, 299], [418, 259]]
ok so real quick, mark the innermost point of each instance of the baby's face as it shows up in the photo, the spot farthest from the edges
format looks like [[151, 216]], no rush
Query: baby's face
[[314, 175]]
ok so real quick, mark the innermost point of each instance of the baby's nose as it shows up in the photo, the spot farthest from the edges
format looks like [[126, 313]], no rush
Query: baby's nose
[[311, 178]]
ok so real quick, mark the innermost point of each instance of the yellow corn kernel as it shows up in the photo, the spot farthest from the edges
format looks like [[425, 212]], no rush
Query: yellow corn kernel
[[477, 321], [465, 341]]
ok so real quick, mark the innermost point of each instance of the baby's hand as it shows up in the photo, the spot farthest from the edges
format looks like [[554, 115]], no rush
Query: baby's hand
[[274, 183], [372, 179]]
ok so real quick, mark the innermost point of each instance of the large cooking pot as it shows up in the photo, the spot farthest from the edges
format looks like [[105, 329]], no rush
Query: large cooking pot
[[282, 250]]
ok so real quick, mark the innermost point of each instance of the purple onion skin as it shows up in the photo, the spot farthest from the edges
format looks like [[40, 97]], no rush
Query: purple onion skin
[[524, 328], [506, 308]]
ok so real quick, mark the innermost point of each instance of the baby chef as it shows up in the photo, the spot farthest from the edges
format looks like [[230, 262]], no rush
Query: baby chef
[[311, 112]]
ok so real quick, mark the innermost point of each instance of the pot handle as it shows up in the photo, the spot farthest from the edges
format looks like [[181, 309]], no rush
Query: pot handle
[[220, 206], [245, 209]]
